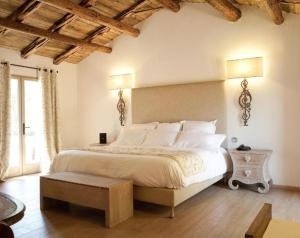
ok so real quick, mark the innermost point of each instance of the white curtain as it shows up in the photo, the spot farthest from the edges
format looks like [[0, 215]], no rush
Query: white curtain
[[49, 103], [4, 118]]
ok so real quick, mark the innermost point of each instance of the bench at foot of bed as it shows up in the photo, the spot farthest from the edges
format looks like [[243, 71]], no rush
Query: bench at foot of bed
[[114, 196]]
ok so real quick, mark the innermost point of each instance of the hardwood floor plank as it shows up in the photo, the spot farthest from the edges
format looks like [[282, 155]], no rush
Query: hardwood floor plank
[[215, 212]]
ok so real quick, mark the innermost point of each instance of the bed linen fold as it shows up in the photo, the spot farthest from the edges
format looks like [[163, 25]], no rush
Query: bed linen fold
[[190, 162]]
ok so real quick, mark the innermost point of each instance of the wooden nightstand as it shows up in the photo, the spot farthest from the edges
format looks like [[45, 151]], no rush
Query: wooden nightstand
[[251, 167]]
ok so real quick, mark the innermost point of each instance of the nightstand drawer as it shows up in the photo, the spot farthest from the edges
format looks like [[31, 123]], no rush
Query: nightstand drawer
[[248, 174], [248, 159]]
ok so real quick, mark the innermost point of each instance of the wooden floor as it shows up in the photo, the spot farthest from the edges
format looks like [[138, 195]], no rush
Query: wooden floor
[[215, 212]]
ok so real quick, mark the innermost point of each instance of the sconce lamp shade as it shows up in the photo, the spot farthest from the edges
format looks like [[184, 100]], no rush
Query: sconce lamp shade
[[245, 68], [121, 81]]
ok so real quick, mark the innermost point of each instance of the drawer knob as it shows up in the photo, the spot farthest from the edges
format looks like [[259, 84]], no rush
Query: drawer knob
[[247, 158], [247, 173]]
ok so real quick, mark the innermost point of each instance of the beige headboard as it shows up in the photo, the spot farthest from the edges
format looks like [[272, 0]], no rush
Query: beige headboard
[[195, 101]]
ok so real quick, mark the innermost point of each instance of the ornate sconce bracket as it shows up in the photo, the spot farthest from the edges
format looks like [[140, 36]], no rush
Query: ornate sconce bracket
[[121, 107], [245, 100]]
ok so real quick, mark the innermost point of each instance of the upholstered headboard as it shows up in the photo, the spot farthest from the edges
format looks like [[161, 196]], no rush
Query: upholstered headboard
[[195, 101]]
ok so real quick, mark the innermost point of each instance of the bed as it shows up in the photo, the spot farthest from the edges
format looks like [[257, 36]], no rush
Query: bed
[[158, 179]]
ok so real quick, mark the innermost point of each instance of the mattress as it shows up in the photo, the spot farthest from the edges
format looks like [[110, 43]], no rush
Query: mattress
[[143, 170]]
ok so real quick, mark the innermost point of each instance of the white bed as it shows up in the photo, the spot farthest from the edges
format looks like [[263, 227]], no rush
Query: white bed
[[143, 170], [160, 180]]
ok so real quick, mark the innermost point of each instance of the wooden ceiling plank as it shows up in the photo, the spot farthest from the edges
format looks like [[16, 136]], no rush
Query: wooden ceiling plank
[[56, 27], [20, 27], [274, 10], [100, 30], [22, 12], [226, 8], [92, 16], [170, 4]]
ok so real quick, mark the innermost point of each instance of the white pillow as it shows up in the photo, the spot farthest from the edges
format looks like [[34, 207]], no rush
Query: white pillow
[[160, 138], [192, 139], [207, 127], [130, 136], [169, 126], [145, 126]]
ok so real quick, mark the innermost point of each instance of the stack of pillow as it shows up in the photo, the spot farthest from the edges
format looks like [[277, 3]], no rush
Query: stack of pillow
[[184, 134]]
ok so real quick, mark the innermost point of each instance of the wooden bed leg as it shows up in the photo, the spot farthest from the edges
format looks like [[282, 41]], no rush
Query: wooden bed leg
[[172, 212]]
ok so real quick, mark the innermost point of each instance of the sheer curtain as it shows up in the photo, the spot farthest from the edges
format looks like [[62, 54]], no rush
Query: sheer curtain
[[48, 80], [4, 118]]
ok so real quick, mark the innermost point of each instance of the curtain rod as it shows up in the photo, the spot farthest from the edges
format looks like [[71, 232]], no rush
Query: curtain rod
[[27, 67]]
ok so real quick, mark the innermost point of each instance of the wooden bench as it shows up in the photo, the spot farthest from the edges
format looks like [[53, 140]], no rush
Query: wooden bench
[[260, 223], [264, 226], [114, 196]]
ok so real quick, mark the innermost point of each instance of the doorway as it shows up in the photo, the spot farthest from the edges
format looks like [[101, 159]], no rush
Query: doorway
[[26, 126]]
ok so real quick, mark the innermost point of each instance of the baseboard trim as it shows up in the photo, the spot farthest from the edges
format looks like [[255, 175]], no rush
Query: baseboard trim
[[286, 187]]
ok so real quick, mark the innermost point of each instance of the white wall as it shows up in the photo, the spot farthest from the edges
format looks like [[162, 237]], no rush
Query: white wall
[[193, 45], [67, 90]]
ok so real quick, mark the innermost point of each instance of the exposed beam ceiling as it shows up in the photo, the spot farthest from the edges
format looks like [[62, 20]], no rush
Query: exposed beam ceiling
[[64, 56], [226, 8], [92, 16], [56, 27], [83, 26], [20, 27]]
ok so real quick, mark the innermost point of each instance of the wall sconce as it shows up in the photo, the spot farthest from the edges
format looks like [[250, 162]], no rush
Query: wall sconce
[[120, 82], [245, 68]]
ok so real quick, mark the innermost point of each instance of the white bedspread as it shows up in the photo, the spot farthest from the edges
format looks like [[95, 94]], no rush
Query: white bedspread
[[144, 170]]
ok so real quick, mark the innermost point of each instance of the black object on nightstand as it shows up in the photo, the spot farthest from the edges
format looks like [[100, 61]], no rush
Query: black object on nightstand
[[243, 148], [102, 138]]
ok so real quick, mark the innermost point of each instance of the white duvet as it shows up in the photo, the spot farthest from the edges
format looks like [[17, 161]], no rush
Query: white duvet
[[144, 170]]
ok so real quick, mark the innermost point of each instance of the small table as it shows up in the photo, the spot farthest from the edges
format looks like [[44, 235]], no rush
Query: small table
[[251, 167], [114, 196], [11, 209]]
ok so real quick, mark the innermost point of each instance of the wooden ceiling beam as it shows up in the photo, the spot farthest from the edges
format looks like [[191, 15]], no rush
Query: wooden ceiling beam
[[170, 4], [56, 27], [226, 8], [274, 10], [92, 16], [20, 27], [99, 31], [22, 12]]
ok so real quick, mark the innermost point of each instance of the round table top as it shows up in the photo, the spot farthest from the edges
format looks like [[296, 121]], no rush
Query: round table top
[[11, 209]]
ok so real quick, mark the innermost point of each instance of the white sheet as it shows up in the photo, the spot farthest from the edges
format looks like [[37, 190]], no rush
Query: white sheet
[[144, 170]]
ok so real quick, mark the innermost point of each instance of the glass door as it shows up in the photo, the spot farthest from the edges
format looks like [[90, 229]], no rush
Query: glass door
[[26, 124], [31, 126]]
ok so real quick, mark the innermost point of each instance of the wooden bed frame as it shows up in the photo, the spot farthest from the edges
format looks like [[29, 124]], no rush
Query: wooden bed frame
[[172, 197], [172, 103]]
